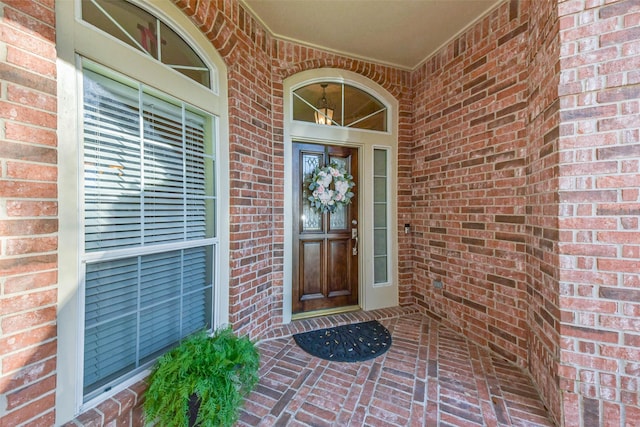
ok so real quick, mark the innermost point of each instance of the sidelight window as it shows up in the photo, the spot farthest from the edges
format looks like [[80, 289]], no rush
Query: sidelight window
[[380, 217]]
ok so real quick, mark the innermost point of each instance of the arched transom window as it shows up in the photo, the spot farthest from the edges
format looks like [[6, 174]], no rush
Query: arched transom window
[[145, 32], [339, 104]]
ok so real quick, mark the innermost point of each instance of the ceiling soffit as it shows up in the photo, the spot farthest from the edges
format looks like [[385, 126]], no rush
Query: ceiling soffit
[[399, 33]]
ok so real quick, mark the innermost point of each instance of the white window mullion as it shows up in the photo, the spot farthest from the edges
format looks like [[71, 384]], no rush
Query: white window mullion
[[142, 168], [184, 173], [150, 249], [138, 307], [158, 41], [342, 119], [184, 213], [215, 289], [181, 300]]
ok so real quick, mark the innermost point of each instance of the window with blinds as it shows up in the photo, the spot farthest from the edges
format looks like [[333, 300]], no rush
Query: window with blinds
[[149, 225]]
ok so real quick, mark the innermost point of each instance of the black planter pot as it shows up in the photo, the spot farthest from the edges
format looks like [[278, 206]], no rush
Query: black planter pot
[[194, 407]]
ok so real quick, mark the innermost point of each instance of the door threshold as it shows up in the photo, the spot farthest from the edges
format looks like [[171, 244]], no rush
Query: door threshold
[[325, 312]]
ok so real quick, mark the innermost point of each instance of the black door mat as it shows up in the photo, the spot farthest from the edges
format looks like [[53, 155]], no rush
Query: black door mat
[[348, 343]]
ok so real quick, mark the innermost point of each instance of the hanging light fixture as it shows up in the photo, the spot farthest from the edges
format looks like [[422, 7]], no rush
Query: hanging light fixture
[[324, 113]]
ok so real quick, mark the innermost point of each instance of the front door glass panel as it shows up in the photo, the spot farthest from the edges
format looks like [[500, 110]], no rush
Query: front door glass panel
[[338, 219], [311, 218]]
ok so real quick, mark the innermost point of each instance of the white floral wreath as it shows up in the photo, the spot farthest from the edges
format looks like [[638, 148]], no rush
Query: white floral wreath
[[330, 187]]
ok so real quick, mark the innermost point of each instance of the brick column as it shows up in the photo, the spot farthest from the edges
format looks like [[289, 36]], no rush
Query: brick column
[[28, 213], [600, 212]]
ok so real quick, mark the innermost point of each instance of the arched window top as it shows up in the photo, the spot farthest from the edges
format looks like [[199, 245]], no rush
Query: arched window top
[[339, 104], [147, 33]]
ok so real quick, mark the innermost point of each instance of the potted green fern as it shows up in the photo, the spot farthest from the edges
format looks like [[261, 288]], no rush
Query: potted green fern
[[203, 381]]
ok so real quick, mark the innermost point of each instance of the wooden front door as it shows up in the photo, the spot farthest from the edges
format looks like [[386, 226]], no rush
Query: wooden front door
[[325, 254]]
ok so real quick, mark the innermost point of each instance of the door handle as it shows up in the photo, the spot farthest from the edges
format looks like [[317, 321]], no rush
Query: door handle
[[354, 237]]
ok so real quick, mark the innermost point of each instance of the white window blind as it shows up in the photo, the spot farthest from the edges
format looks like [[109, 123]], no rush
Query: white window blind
[[149, 205]]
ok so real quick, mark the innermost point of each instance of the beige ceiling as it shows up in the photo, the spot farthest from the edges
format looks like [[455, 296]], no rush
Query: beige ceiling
[[402, 33]]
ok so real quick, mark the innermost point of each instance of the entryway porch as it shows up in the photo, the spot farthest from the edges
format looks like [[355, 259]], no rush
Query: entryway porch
[[430, 376]]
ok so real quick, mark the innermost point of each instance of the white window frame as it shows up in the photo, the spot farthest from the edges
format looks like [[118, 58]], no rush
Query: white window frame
[[77, 40], [388, 215]]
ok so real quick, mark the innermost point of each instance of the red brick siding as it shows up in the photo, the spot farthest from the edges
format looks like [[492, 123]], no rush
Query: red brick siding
[[599, 247], [244, 46], [542, 159], [469, 182], [28, 213]]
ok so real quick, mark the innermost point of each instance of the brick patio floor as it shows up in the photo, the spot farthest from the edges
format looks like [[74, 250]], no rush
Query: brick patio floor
[[429, 377]]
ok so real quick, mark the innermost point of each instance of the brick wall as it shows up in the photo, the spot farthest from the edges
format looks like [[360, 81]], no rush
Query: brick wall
[[470, 141], [542, 267], [28, 213], [245, 49], [257, 66], [599, 217]]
